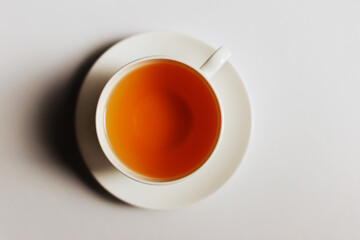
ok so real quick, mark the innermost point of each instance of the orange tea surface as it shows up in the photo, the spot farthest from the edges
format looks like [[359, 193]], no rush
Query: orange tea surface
[[162, 120]]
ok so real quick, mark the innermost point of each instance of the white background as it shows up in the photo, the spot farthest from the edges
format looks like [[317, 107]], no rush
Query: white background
[[300, 61]]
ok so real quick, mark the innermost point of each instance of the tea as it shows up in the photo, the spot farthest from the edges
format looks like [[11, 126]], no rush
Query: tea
[[162, 120]]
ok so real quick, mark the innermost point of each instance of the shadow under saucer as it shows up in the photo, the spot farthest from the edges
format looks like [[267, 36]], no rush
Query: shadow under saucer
[[56, 124]]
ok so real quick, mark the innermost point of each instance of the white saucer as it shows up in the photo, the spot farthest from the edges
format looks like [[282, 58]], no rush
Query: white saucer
[[230, 149]]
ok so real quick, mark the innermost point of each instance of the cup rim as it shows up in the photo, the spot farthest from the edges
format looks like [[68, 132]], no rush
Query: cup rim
[[100, 129]]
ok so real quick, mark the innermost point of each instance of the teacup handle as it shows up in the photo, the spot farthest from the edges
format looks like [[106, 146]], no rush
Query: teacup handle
[[215, 62]]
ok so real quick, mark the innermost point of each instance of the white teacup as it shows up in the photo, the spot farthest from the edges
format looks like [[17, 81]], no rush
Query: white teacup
[[206, 71]]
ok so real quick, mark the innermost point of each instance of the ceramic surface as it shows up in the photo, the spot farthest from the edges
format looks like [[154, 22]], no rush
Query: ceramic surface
[[222, 163]]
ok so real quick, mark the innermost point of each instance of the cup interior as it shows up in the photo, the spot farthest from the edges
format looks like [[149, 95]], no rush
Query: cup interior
[[158, 120]]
